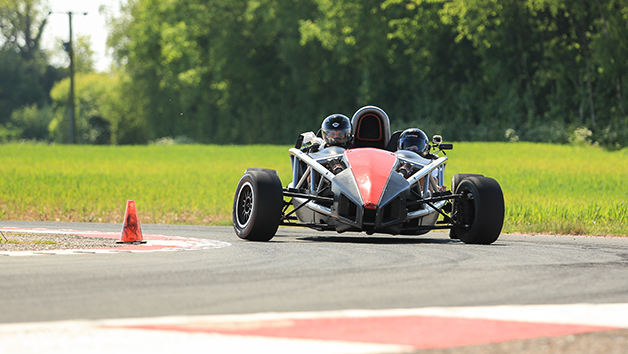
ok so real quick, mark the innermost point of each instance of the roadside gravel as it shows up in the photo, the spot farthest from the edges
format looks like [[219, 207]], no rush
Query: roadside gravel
[[10, 241]]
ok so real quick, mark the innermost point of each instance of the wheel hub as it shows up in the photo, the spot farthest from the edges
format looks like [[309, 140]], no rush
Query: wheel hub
[[245, 206]]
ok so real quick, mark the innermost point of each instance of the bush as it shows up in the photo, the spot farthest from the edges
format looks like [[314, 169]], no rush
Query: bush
[[33, 122], [9, 133], [168, 140], [581, 137]]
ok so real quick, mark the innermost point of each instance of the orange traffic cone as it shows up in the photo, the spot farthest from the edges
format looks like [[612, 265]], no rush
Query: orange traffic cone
[[131, 231]]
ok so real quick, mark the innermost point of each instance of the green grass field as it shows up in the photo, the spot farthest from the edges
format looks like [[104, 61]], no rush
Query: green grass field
[[548, 188]]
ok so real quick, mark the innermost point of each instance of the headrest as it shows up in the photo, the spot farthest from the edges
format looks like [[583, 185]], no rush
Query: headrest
[[371, 124]]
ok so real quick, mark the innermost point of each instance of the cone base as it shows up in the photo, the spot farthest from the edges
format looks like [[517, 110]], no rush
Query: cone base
[[132, 242]]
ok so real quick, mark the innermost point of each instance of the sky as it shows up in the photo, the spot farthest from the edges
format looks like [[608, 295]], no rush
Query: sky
[[92, 24]]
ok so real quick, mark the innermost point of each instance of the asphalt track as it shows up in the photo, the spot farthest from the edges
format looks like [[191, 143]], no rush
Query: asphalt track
[[311, 278]]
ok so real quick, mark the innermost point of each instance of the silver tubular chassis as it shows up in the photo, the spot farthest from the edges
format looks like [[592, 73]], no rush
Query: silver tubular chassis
[[305, 192]]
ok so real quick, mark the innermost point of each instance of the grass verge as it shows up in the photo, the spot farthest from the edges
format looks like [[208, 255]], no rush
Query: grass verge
[[548, 188]]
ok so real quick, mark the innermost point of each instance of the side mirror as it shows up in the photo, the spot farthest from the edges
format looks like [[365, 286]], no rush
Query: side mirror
[[437, 139]]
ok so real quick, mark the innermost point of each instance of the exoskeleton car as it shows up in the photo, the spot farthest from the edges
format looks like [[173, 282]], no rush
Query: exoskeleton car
[[371, 187]]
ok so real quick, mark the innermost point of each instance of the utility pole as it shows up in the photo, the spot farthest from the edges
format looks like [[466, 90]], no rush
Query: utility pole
[[72, 103], [67, 46]]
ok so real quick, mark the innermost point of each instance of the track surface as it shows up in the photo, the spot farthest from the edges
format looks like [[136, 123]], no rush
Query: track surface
[[302, 270]]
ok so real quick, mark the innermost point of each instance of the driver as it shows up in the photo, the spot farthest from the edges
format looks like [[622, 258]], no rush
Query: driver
[[415, 140], [336, 131]]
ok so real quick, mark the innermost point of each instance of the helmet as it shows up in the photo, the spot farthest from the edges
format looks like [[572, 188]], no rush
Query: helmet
[[336, 130], [414, 140]]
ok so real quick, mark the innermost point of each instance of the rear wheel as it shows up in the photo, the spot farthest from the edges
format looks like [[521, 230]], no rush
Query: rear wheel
[[480, 212], [257, 205]]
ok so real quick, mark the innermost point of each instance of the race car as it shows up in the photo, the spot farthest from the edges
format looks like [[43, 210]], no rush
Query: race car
[[371, 186]]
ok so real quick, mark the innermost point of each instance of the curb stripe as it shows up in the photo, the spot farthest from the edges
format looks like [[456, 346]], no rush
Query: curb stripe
[[420, 332], [328, 332]]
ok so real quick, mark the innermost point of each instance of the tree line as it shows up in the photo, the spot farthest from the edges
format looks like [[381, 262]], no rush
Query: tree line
[[262, 71]]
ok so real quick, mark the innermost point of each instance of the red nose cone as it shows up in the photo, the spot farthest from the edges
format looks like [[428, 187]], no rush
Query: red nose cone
[[371, 169]]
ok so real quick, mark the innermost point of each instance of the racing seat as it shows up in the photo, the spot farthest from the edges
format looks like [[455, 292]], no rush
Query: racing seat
[[371, 128], [394, 141]]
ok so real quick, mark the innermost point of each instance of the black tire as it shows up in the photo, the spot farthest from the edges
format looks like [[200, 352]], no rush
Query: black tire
[[482, 212], [455, 181], [257, 205]]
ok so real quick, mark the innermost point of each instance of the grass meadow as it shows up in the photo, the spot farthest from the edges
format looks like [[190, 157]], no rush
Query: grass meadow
[[553, 189]]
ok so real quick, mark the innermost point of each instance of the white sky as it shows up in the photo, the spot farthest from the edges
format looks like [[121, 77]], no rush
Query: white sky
[[93, 24]]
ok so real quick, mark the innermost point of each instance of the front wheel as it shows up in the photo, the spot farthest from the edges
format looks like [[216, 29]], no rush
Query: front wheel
[[480, 212], [257, 205], [457, 178], [455, 181]]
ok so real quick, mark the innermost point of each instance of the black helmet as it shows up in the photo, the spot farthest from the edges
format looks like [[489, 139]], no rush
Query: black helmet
[[336, 130], [414, 140]]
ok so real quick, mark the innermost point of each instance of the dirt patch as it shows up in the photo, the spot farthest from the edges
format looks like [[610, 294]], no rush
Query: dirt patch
[[16, 241]]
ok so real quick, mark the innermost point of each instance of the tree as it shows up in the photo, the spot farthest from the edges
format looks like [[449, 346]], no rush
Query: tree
[[22, 24], [104, 113], [262, 71], [24, 83], [221, 71], [25, 76]]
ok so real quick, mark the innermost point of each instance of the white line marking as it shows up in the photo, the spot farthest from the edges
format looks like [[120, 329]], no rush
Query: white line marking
[[605, 315], [85, 337]]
